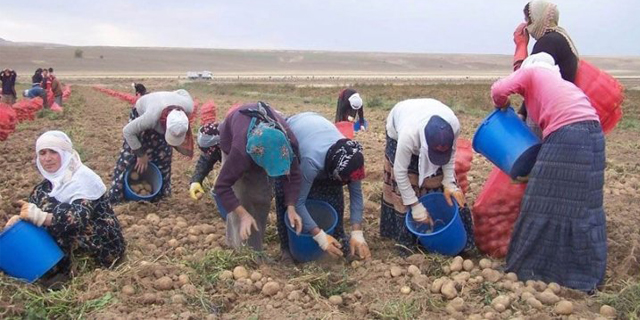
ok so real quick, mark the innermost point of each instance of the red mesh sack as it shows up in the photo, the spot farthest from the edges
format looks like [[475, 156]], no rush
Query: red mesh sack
[[464, 155], [495, 212], [24, 109], [66, 92], [8, 120], [604, 91], [208, 112]]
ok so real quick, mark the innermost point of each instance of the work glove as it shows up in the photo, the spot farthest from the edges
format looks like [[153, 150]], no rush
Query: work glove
[[13, 220], [358, 246], [294, 220], [30, 212], [196, 191], [328, 243], [247, 223], [456, 194], [521, 39], [420, 214], [505, 106]]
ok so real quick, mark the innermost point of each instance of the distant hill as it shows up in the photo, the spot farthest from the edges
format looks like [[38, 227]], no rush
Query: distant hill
[[8, 43], [136, 61]]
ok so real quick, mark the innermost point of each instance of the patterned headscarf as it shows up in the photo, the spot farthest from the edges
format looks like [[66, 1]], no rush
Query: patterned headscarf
[[544, 17], [345, 161], [269, 148], [209, 138]]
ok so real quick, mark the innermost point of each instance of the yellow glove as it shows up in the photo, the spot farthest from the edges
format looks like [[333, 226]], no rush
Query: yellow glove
[[358, 246], [457, 194], [196, 191]]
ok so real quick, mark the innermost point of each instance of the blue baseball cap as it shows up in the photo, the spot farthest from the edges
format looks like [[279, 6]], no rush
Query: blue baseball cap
[[439, 135]]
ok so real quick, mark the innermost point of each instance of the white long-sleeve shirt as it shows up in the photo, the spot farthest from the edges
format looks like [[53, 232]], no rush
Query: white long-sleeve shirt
[[149, 108], [405, 124]]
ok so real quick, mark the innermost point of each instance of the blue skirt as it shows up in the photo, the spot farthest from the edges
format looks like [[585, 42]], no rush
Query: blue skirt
[[560, 235]]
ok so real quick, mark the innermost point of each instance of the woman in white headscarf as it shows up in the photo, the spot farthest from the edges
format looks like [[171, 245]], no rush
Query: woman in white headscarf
[[350, 106], [71, 204], [560, 235]]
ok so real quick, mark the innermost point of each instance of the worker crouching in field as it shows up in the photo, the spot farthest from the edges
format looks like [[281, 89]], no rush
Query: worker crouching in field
[[72, 205], [350, 106], [158, 122], [257, 145], [560, 235], [328, 162], [209, 143], [419, 159]]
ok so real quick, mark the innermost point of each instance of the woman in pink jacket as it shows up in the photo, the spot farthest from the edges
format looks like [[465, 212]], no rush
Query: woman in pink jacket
[[560, 235]]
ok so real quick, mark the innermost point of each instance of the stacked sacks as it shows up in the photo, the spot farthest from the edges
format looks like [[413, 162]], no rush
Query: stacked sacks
[[8, 121], [495, 212], [464, 155], [26, 108], [120, 95]]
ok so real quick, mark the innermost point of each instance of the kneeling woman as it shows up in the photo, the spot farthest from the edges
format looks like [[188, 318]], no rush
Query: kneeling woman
[[560, 235], [158, 122], [72, 205], [328, 162], [419, 159]]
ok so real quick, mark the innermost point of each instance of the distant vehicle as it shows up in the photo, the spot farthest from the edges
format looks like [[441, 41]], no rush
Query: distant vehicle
[[204, 75], [208, 75]]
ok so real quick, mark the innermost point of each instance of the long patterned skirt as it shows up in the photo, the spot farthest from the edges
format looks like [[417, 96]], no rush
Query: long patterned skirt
[[560, 235], [324, 190], [392, 211], [159, 153]]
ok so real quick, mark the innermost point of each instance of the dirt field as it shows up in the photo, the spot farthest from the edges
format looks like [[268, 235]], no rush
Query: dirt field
[[177, 266]]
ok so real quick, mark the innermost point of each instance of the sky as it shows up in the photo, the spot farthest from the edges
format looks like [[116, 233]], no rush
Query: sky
[[598, 27]]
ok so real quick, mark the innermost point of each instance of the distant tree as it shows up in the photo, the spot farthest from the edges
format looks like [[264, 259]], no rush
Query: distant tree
[[78, 54]]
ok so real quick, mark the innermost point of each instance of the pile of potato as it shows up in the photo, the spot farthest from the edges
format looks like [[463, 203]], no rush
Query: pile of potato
[[140, 187]]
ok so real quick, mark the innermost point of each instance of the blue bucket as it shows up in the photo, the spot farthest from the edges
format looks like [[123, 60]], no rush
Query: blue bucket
[[27, 252], [356, 125], [448, 236], [507, 142], [302, 247], [152, 175], [221, 210]]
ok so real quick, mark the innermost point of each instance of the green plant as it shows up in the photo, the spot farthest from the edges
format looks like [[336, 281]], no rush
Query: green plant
[[626, 301], [398, 310], [326, 283], [78, 54]]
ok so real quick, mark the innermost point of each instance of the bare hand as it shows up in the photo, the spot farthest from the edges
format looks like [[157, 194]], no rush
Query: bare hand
[[294, 219], [141, 164], [247, 223]]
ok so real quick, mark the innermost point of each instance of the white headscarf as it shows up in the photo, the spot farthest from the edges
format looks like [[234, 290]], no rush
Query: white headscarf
[[73, 180], [540, 60], [355, 101]]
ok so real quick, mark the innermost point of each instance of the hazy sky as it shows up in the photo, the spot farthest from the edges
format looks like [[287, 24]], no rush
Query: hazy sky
[[422, 26]]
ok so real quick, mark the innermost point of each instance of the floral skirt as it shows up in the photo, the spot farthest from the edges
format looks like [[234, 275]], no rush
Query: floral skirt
[[392, 211]]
